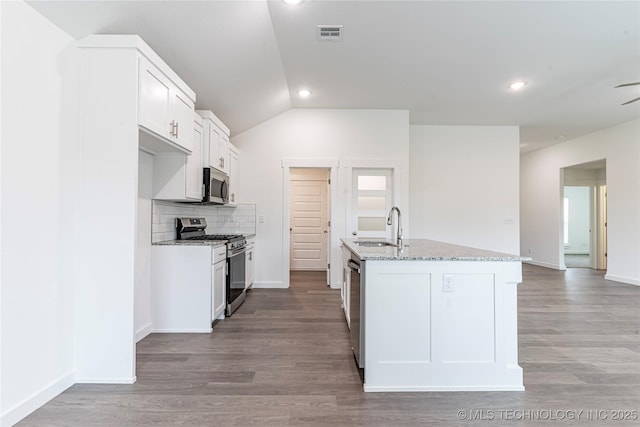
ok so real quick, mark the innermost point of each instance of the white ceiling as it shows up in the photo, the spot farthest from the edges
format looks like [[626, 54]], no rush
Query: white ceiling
[[445, 62]]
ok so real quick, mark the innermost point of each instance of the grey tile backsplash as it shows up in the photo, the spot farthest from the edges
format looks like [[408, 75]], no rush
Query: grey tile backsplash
[[220, 219]]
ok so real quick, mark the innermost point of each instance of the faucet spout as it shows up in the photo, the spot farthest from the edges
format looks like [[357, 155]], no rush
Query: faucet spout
[[398, 224]]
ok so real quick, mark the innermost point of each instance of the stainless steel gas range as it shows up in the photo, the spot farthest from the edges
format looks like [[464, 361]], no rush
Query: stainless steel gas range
[[194, 229]]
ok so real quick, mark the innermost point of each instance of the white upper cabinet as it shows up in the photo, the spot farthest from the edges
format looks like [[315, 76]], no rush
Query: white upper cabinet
[[234, 174], [183, 112], [164, 109], [154, 110], [194, 161], [215, 149], [223, 153], [178, 176]]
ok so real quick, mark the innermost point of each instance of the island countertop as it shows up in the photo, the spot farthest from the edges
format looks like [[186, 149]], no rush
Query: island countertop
[[426, 250]]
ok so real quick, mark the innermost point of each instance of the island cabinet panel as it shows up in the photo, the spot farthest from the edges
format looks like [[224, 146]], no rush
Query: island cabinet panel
[[441, 325], [466, 304], [407, 338]]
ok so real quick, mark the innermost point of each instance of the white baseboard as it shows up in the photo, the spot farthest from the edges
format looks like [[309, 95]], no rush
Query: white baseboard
[[621, 279], [546, 265], [269, 285], [106, 380], [21, 410], [182, 331], [410, 389], [143, 332]]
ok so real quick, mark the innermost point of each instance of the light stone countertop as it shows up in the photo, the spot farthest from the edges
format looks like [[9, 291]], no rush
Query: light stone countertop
[[213, 243], [426, 250]]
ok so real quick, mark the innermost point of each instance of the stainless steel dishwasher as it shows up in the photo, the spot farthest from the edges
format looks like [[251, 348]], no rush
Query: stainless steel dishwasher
[[356, 312]]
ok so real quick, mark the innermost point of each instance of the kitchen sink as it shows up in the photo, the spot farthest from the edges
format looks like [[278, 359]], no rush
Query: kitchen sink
[[378, 243]]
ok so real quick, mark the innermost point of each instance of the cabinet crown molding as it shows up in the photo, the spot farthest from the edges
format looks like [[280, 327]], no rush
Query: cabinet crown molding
[[206, 114], [132, 41]]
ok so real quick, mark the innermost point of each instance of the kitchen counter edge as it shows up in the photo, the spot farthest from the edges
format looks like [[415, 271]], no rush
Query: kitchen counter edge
[[427, 250], [212, 243]]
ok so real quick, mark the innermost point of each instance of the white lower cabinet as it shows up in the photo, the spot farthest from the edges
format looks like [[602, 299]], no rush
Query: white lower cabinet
[[218, 283], [187, 287], [250, 266]]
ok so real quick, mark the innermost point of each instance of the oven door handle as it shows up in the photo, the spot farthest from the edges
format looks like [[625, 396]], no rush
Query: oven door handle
[[235, 252]]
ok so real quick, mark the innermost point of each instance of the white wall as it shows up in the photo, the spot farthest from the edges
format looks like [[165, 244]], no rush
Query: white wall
[[40, 167], [579, 220], [541, 204], [464, 185], [341, 135], [142, 291]]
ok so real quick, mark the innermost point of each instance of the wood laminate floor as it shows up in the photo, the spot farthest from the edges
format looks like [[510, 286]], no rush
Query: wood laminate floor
[[284, 359], [577, 261]]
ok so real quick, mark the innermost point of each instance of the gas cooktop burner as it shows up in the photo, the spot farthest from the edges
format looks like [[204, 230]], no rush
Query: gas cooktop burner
[[194, 229]]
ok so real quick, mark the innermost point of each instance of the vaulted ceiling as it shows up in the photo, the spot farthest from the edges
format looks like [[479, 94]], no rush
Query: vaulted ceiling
[[448, 63]]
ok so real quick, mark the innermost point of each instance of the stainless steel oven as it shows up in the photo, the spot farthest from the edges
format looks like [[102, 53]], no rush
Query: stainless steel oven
[[236, 271], [194, 229]]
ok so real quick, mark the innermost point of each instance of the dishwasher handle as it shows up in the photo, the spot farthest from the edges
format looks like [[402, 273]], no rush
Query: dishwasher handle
[[353, 265]]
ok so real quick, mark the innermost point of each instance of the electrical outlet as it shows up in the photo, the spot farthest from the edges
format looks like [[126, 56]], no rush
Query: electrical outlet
[[447, 283], [261, 219]]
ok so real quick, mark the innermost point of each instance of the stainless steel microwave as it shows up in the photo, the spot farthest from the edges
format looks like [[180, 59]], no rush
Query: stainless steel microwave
[[216, 187]]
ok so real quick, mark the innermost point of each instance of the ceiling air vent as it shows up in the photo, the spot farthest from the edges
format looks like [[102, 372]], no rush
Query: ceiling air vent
[[331, 33]]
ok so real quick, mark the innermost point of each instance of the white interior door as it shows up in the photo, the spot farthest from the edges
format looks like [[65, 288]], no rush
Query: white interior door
[[372, 198], [602, 228], [309, 223]]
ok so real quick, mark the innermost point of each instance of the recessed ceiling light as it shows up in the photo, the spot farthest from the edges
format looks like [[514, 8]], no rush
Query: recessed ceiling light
[[304, 93], [292, 2], [517, 85]]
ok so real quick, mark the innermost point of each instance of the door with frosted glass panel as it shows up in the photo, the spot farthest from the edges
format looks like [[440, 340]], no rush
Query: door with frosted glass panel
[[372, 199]]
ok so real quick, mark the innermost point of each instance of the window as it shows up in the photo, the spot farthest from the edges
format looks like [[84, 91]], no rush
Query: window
[[372, 199]]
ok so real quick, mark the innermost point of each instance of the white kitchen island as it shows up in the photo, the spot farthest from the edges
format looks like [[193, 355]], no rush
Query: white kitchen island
[[438, 317]]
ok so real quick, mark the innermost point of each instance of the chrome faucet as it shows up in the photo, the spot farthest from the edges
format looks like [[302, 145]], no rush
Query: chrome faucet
[[398, 225]]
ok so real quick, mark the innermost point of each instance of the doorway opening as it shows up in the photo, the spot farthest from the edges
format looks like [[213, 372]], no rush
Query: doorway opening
[[584, 239], [309, 220]]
